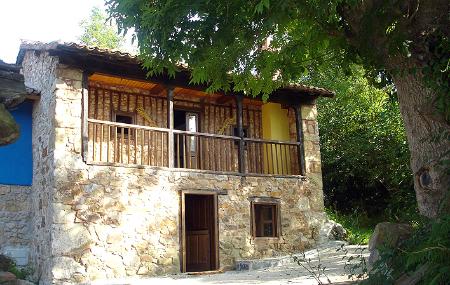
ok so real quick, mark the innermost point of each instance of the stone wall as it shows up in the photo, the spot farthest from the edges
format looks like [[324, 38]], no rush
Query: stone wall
[[15, 215], [99, 222], [39, 70]]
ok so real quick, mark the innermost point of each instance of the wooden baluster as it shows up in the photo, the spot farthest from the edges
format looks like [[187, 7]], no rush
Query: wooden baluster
[[122, 142], [200, 157], [107, 146], [101, 142], [128, 145], [94, 130], [135, 144], [178, 151], [148, 147], [266, 150], [162, 149], [185, 152], [276, 158], [116, 147], [142, 146]]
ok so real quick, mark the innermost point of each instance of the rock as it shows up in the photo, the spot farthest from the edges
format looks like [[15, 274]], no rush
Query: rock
[[388, 235], [70, 239], [331, 230], [6, 277]]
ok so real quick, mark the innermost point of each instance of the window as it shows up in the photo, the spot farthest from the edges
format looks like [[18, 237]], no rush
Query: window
[[124, 118], [265, 218], [236, 131]]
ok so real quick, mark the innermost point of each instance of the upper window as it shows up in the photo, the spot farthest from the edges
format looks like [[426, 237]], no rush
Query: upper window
[[236, 131], [124, 118], [265, 218]]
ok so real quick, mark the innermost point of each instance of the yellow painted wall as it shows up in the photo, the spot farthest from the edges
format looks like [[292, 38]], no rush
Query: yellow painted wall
[[275, 125]]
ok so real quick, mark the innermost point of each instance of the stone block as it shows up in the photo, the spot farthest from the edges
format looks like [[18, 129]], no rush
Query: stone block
[[69, 73], [69, 239], [64, 268], [303, 204], [309, 112]]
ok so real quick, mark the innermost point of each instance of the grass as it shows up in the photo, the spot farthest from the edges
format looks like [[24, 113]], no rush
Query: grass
[[359, 227]]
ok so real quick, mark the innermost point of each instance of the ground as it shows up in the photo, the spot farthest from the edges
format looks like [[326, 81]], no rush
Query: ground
[[290, 273]]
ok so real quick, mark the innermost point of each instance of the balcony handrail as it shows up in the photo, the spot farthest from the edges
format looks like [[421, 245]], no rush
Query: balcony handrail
[[199, 134], [270, 141], [133, 126]]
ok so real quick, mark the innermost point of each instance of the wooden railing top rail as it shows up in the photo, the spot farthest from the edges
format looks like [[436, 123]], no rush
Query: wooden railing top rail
[[190, 133], [271, 141], [205, 135], [115, 124]]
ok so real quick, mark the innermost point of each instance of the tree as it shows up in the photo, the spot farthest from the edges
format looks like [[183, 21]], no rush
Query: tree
[[406, 41], [363, 146], [12, 93], [97, 32]]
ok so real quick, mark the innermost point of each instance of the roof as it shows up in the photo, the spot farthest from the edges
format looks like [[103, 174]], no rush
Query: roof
[[77, 54]]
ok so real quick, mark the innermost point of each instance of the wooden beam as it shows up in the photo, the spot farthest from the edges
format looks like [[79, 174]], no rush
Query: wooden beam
[[300, 139], [224, 99], [241, 150], [170, 125]]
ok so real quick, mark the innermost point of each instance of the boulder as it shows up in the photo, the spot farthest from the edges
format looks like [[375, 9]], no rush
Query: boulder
[[331, 230], [387, 235]]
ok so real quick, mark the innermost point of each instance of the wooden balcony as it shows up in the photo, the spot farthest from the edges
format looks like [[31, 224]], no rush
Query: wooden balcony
[[135, 123], [111, 143]]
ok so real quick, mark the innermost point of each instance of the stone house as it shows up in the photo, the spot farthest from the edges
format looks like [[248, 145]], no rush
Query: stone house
[[135, 175]]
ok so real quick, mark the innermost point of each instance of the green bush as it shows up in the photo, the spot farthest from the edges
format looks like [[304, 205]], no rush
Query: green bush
[[357, 224]]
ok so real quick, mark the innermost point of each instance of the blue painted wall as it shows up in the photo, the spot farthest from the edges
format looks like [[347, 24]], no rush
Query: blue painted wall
[[16, 160]]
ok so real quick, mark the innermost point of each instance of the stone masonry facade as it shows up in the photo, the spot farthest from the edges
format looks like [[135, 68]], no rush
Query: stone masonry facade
[[15, 222], [92, 222]]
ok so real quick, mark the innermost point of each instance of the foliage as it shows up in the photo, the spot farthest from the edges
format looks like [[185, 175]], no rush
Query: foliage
[[358, 226], [221, 40], [97, 32], [426, 251], [365, 155]]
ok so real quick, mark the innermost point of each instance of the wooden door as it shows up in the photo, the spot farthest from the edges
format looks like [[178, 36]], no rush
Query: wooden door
[[199, 225]]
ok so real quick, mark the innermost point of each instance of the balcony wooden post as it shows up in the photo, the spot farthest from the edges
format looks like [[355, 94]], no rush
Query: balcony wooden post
[[170, 144], [241, 150], [84, 116], [300, 139]]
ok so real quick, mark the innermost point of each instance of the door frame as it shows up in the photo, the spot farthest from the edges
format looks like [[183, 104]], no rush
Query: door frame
[[215, 262]]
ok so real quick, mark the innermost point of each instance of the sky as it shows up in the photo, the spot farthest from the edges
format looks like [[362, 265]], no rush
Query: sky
[[40, 20]]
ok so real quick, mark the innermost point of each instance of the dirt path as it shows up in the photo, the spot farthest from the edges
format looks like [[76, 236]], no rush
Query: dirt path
[[291, 273]]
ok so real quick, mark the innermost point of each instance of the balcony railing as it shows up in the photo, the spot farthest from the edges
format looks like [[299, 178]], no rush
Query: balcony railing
[[113, 143]]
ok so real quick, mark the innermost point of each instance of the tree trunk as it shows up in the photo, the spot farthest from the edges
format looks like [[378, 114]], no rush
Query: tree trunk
[[423, 126]]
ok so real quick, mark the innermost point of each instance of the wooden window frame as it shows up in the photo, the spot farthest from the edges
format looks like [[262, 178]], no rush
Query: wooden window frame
[[128, 114], [267, 201]]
